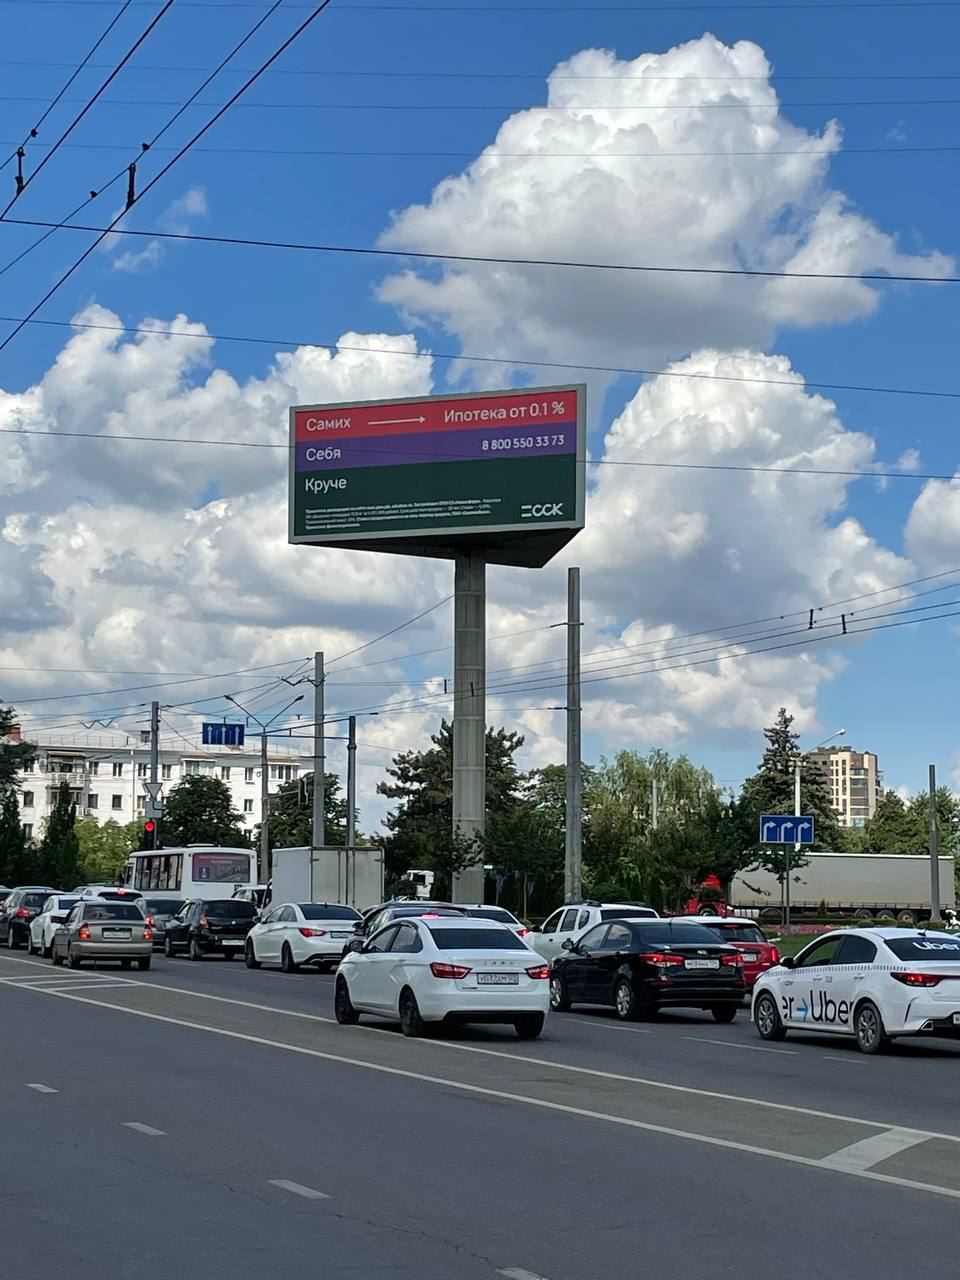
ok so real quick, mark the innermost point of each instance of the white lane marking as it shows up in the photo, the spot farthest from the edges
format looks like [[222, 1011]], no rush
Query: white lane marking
[[870, 1151], [515, 1057], [148, 1129], [76, 986], [732, 1044], [518, 1273], [298, 1189], [606, 1026], [526, 1100], [42, 1088], [835, 1057]]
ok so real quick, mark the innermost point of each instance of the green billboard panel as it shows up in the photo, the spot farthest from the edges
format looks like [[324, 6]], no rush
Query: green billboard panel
[[500, 471]]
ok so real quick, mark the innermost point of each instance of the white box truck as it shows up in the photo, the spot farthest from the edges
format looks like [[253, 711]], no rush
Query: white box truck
[[871, 886], [352, 877]]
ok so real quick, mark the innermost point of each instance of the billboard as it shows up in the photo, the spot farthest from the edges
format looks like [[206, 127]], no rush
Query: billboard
[[501, 471]]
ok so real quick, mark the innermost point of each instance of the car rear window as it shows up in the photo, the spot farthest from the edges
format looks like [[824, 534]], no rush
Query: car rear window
[[628, 913], [477, 940], [163, 906], [935, 947], [661, 935], [490, 913], [231, 909], [397, 912], [734, 932], [64, 904], [317, 911], [118, 895], [34, 899], [112, 911]]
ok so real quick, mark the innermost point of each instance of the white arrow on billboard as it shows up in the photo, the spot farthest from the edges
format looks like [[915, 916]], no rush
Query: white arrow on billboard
[[391, 422], [153, 789]]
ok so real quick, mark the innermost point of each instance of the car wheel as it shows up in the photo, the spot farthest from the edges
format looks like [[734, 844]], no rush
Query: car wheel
[[47, 949], [57, 959], [725, 1012], [31, 949], [144, 963], [907, 918], [286, 960], [250, 957], [125, 964], [766, 1018], [411, 1023], [869, 1030], [529, 1025], [12, 942], [168, 950], [73, 961], [625, 1001], [559, 1000], [347, 1015], [195, 952]]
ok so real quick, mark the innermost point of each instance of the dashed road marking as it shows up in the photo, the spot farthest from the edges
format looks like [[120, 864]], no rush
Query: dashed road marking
[[298, 1189], [42, 1088], [870, 1151], [148, 1129], [732, 1044], [518, 1273]]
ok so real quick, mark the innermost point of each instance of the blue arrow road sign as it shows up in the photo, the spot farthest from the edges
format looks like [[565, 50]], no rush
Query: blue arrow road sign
[[785, 828]]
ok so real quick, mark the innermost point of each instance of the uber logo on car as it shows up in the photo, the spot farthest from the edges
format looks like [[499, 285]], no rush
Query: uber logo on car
[[816, 1007]]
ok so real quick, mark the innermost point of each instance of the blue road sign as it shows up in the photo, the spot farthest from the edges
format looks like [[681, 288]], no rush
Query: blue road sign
[[785, 828], [223, 735]]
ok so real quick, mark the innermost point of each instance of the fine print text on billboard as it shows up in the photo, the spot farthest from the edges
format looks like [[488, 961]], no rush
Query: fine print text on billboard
[[502, 471]]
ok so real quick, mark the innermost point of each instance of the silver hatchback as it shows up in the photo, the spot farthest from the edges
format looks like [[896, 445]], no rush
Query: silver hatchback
[[97, 930]]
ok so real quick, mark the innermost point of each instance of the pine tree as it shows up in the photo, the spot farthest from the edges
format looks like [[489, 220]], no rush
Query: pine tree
[[14, 756], [13, 841], [58, 857]]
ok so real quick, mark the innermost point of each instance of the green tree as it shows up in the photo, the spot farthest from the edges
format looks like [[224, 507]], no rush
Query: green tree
[[15, 756], [291, 819], [104, 848], [771, 790], [16, 855], [58, 855], [894, 828], [199, 810], [420, 826], [948, 820], [525, 842]]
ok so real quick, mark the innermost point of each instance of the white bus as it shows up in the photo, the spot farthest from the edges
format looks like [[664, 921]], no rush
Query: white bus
[[193, 871]]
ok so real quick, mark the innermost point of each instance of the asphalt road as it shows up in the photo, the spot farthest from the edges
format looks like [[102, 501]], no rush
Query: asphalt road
[[211, 1120]]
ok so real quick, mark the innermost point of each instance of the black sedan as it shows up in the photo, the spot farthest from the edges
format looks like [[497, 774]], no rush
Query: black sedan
[[641, 966], [210, 927]]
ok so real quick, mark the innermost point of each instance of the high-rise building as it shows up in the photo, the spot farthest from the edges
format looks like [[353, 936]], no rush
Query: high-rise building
[[854, 781]]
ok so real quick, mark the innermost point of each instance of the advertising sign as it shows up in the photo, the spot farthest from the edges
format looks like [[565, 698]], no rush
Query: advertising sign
[[500, 471]]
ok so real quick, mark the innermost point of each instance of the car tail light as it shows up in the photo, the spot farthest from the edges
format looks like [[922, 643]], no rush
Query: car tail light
[[204, 922], [312, 933], [539, 971], [774, 955], [917, 979], [661, 958], [150, 921], [736, 959], [522, 933], [83, 933], [440, 969], [21, 913], [148, 934]]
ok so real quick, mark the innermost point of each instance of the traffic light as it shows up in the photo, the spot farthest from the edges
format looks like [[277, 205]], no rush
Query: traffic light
[[149, 834]]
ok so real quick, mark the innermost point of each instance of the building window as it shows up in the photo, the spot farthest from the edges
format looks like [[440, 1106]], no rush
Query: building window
[[94, 768], [93, 800], [191, 766], [248, 775], [141, 803], [282, 771], [225, 772], [248, 806], [117, 769], [116, 802], [28, 830], [166, 771], [142, 769], [28, 800]]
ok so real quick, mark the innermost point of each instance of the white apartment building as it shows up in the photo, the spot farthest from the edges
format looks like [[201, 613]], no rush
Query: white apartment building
[[854, 781], [107, 772]]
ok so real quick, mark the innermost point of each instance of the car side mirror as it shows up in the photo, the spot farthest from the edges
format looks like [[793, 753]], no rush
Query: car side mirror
[[355, 944], [568, 944], [789, 962]]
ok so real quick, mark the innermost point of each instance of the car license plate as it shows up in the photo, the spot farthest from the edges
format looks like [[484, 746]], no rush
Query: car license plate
[[232, 942], [750, 956], [339, 935], [116, 933], [497, 979], [701, 964], [956, 1019]]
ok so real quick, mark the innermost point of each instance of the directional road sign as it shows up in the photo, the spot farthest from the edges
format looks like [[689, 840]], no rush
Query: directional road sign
[[785, 828]]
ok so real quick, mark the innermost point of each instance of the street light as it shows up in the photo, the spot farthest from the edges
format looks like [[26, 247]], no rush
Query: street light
[[796, 812], [264, 859]]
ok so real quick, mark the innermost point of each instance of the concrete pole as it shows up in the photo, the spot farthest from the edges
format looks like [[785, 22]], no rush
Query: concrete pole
[[796, 847], [573, 862], [934, 850], [155, 763], [469, 713], [264, 868], [351, 781], [318, 838]]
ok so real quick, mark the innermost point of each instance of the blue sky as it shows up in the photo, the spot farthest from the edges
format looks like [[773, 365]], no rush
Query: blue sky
[[372, 79]]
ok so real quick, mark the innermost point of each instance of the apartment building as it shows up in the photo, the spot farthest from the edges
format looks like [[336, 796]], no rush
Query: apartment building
[[854, 781]]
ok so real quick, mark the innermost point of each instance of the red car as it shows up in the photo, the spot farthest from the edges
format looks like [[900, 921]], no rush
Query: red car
[[758, 954]]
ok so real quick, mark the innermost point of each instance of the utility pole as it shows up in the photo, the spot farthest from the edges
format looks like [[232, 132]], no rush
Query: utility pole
[[573, 852], [469, 714], [264, 868], [351, 781], [934, 850], [786, 851], [155, 765], [654, 804], [318, 839]]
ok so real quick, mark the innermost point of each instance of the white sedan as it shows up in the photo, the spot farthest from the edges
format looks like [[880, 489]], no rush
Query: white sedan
[[297, 933], [425, 971], [52, 915], [872, 984]]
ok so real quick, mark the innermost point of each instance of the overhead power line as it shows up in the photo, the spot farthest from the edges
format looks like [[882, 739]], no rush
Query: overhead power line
[[475, 359], [489, 259], [104, 232], [780, 6]]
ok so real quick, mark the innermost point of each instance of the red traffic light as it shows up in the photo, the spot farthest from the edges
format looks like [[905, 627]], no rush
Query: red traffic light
[[149, 826]]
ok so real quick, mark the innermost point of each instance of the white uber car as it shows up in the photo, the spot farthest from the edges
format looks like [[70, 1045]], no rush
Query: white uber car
[[52, 915], [425, 971], [297, 933], [872, 984]]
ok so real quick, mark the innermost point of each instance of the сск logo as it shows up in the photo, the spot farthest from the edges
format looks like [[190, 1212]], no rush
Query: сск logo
[[540, 509]]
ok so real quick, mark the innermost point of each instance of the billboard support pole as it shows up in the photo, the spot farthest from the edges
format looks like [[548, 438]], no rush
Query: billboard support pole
[[319, 836], [573, 822], [934, 849], [469, 713]]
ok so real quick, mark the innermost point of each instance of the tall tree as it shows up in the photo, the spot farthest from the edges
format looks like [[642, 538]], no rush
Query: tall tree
[[420, 826], [58, 856], [948, 820], [894, 828], [199, 810], [105, 847], [291, 813], [14, 849], [15, 756]]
